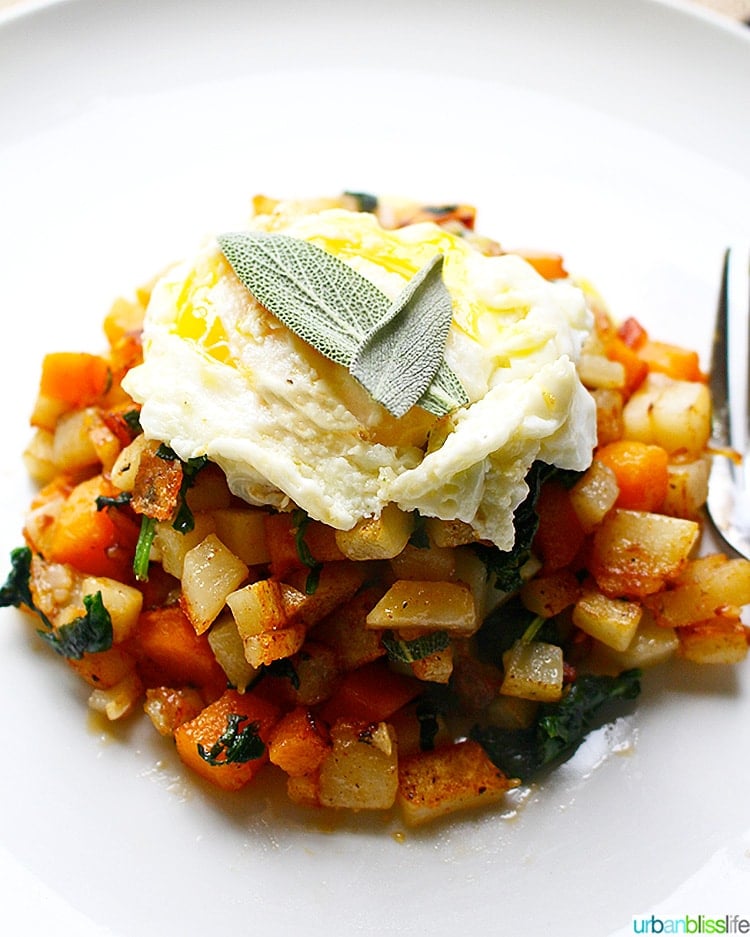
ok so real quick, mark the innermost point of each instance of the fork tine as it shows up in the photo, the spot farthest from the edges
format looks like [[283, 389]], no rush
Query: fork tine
[[720, 361], [730, 361], [729, 489]]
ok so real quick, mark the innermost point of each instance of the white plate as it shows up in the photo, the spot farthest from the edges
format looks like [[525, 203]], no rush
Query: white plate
[[614, 132]]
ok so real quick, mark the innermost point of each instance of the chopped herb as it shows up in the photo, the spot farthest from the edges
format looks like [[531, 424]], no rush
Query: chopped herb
[[183, 521], [559, 728], [419, 537], [235, 745], [332, 307], [143, 548], [508, 623], [17, 589], [117, 501], [133, 420], [416, 649], [364, 200], [88, 634], [282, 668], [400, 357], [506, 565], [436, 701], [300, 520]]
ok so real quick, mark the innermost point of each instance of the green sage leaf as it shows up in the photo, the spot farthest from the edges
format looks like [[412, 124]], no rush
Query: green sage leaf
[[316, 295], [417, 649], [400, 357], [394, 349]]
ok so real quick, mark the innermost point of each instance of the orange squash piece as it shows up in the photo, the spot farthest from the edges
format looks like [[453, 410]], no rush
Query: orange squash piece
[[641, 471], [208, 727], [100, 543]]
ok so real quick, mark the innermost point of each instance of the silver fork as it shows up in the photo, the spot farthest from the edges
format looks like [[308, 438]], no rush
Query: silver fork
[[729, 486]]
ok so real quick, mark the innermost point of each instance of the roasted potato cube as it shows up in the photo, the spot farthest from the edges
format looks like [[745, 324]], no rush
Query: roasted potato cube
[[594, 495], [687, 489], [210, 573], [119, 700], [377, 538], [635, 553], [651, 645], [716, 641], [242, 530], [534, 671], [229, 651], [675, 415], [432, 563], [361, 771], [435, 668], [456, 777], [427, 606], [123, 603], [610, 620]]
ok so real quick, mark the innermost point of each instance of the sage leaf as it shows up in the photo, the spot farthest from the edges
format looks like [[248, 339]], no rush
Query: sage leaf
[[317, 296], [400, 357], [395, 349], [417, 648]]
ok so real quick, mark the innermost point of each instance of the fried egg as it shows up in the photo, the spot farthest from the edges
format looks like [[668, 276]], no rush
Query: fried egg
[[224, 378]]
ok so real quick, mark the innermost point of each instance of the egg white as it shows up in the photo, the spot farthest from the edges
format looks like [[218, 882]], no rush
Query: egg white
[[223, 378]]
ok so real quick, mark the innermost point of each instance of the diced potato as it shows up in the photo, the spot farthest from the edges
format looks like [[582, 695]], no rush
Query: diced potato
[[317, 672], [361, 771], [435, 668], [337, 582], [609, 421], [431, 563], [456, 777], [449, 533], [268, 646], [267, 605], [304, 790], [120, 700], [242, 531], [47, 411], [72, 447], [670, 413], [716, 641], [594, 495], [168, 708], [171, 546], [534, 671], [229, 651], [635, 552], [651, 645], [612, 621], [549, 595], [38, 457], [123, 603], [106, 443], [687, 489], [428, 606], [209, 491], [125, 468], [377, 538], [210, 572], [706, 587], [597, 371], [346, 632]]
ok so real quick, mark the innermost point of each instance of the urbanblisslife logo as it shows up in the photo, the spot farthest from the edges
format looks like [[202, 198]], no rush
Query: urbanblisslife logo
[[691, 924]]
